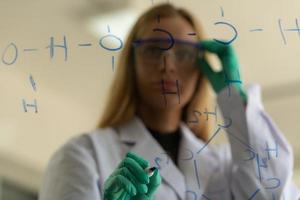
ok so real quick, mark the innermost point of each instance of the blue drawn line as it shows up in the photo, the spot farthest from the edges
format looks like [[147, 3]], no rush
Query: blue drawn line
[[165, 61], [281, 31], [222, 11], [276, 186], [297, 26], [251, 197], [30, 50], [193, 193], [258, 169], [25, 105], [113, 63], [163, 89], [257, 29], [206, 197], [233, 81], [16, 54], [273, 196], [99, 185], [195, 112], [169, 92], [85, 45], [234, 30], [177, 85], [295, 29], [209, 139], [226, 125], [253, 155], [241, 141], [157, 160], [269, 150], [32, 82], [172, 40], [114, 37], [52, 46], [211, 113], [228, 81], [196, 172], [190, 158]]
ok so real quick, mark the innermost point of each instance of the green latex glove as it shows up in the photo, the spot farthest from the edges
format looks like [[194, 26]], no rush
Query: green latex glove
[[155, 181], [230, 67], [130, 181]]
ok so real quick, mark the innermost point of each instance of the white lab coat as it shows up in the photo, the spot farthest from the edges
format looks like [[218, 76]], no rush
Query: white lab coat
[[78, 170]]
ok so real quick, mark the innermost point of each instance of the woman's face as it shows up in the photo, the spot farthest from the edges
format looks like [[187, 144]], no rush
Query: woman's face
[[166, 78]]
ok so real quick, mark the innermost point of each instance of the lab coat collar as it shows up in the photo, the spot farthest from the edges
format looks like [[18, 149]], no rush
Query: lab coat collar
[[196, 160], [146, 146], [187, 177]]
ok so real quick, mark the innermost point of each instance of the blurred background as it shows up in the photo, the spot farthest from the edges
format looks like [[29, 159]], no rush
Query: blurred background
[[47, 99]]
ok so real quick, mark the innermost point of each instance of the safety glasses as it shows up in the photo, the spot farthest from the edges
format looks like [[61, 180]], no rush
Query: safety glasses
[[153, 51]]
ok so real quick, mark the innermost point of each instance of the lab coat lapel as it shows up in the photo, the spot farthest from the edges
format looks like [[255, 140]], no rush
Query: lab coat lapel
[[146, 146], [196, 166]]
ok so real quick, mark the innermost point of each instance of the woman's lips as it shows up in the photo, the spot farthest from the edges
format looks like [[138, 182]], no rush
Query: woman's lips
[[166, 85]]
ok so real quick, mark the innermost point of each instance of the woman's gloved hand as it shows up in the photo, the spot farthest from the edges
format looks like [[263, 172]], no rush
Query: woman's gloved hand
[[130, 181], [230, 67]]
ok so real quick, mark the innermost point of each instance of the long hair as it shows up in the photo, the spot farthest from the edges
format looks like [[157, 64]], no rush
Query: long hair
[[122, 100]]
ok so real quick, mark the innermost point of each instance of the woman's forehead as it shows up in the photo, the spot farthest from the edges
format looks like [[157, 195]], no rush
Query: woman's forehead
[[176, 27]]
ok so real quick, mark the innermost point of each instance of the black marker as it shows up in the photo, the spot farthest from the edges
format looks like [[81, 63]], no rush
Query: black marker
[[150, 171]]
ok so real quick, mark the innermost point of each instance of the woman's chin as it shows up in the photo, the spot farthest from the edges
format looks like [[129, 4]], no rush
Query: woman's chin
[[170, 101]]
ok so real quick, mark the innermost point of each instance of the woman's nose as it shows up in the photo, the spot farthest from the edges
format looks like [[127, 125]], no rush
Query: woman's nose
[[168, 62]]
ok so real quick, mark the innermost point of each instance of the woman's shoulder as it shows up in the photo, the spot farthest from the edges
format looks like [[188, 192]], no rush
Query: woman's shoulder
[[85, 145], [76, 164]]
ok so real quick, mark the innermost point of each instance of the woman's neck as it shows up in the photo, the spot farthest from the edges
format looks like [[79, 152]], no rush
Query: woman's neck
[[163, 121]]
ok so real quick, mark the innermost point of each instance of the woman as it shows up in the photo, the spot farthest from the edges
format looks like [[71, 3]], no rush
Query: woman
[[152, 119]]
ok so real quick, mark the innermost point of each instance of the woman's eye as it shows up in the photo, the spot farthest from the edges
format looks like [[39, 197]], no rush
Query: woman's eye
[[152, 51], [185, 55]]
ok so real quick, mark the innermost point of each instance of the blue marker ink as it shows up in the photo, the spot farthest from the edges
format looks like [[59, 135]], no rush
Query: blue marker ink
[[112, 37], [196, 172], [25, 105], [188, 157], [15, 48], [32, 82], [63, 46], [171, 38], [276, 180], [211, 113], [158, 160], [209, 140], [255, 30], [281, 31], [113, 63], [194, 195], [164, 92], [85, 44], [196, 113], [222, 11], [268, 150], [254, 194], [192, 34], [30, 49], [233, 29]]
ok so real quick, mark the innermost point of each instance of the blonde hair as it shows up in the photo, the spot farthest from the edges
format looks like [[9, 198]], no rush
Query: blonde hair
[[121, 104]]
